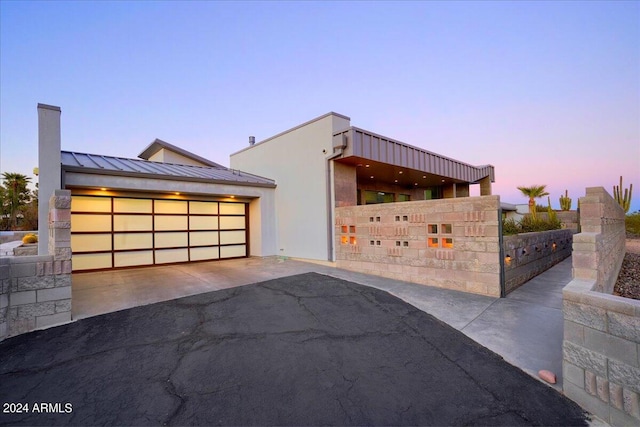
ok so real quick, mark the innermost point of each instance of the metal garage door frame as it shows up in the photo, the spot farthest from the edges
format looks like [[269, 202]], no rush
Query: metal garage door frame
[[226, 212]]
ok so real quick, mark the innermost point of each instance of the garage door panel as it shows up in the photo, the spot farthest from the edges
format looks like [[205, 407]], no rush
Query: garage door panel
[[233, 251], [132, 241], [132, 223], [171, 240], [203, 222], [165, 256], [232, 222], [228, 237], [206, 208], [201, 254], [171, 222], [91, 261], [203, 238], [90, 204], [90, 242], [133, 205], [170, 207], [133, 258], [231, 208], [80, 223]]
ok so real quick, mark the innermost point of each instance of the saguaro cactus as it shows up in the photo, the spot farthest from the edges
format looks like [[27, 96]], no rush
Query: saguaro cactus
[[624, 200], [565, 201]]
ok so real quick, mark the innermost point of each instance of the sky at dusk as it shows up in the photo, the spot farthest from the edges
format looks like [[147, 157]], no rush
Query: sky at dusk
[[547, 92]]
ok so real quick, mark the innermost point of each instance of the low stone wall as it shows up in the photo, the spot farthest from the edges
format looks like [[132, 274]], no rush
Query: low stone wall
[[26, 250], [35, 291], [529, 254], [448, 243], [601, 348]]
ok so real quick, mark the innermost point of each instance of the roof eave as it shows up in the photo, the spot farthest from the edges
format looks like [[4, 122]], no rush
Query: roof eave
[[86, 170]]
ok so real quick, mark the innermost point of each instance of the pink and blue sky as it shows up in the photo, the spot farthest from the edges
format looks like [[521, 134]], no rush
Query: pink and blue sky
[[547, 92]]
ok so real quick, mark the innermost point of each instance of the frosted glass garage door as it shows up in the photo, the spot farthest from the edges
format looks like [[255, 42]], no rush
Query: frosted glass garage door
[[112, 232]]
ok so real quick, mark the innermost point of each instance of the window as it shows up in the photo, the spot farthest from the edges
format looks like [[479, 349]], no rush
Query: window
[[432, 228], [374, 197], [432, 242], [446, 228], [403, 198], [447, 242]]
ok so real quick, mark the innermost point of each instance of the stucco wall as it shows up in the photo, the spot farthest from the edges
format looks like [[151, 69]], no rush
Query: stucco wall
[[601, 348], [529, 254], [297, 161], [393, 240]]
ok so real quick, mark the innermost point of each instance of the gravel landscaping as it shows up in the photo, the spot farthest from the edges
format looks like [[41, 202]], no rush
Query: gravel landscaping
[[628, 283]]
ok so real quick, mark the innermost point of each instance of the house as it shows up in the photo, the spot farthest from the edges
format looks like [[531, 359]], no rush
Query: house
[[278, 198], [326, 163]]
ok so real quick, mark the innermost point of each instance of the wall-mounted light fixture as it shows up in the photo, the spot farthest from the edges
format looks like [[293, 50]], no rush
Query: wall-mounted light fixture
[[507, 260]]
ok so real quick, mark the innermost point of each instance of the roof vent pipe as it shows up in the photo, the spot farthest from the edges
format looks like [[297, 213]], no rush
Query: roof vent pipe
[[252, 140]]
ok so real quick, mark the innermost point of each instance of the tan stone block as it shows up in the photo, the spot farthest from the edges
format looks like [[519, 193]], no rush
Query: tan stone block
[[476, 288]]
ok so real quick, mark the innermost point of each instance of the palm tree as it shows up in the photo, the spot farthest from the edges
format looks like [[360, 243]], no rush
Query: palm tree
[[16, 194], [533, 192]]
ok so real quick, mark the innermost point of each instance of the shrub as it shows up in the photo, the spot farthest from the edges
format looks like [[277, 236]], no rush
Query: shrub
[[510, 226], [529, 224], [30, 238], [632, 223]]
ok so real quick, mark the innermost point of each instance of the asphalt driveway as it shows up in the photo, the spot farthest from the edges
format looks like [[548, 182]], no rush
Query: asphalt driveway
[[301, 350]]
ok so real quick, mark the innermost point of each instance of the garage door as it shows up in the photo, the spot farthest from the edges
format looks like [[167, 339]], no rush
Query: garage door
[[112, 232]]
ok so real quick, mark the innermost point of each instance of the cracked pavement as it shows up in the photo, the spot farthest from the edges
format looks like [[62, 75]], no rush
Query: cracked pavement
[[301, 350]]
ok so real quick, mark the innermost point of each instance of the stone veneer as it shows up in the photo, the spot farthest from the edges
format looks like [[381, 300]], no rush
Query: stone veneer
[[398, 240], [35, 291], [529, 254], [601, 348]]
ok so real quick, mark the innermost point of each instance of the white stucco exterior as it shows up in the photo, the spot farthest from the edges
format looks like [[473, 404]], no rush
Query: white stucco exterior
[[298, 161], [167, 156]]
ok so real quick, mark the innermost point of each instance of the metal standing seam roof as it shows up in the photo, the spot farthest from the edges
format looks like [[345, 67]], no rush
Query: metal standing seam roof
[[108, 165], [368, 145]]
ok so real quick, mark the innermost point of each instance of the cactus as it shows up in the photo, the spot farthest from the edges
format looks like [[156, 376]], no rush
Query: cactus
[[565, 201], [624, 200], [553, 216]]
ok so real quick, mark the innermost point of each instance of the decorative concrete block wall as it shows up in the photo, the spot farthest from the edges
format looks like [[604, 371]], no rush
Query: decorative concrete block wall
[[35, 291], [529, 254], [449, 243], [601, 348]]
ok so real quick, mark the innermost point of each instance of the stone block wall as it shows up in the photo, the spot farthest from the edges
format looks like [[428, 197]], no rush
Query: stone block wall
[[449, 243], [529, 254], [35, 291], [601, 347]]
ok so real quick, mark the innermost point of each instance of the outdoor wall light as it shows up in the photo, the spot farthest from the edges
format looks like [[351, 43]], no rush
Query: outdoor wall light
[[103, 189], [507, 260], [366, 166], [554, 246], [400, 172]]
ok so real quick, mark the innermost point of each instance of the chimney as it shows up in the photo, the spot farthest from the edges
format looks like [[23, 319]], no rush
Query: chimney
[[49, 168], [252, 140]]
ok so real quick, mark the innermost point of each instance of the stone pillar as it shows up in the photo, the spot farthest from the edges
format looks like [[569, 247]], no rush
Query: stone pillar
[[485, 186], [60, 226], [49, 161], [345, 184]]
